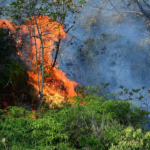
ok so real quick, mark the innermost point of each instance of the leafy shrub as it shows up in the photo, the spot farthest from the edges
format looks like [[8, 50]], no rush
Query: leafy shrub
[[13, 72], [133, 140], [8, 53], [103, 118], [100, 124], [17, 75], [8, 49], [27, 133]]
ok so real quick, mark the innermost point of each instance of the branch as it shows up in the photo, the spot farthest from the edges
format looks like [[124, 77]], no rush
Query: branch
[[69, 29], [146, 4], [142, 10], [126, 4], [7, 84], [135, 12], [116, 9], [58, 45]]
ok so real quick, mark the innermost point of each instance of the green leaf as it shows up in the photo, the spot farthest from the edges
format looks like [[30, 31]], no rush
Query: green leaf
[[126, 90], [141, 97], [50, 4], [136, 90], [121, 86], [130, 93], [18, 29]]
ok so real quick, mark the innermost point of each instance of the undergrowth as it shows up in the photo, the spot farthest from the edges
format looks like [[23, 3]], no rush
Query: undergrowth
[[92, 123]]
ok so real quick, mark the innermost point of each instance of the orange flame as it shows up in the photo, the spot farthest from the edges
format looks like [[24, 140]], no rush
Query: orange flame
[[50, 32]]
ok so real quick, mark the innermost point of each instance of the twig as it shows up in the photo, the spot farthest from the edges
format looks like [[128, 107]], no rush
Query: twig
[[69, 28], [58, 45]]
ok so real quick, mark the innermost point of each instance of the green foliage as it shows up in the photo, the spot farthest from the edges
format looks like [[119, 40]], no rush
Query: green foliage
[[17, 75], [7, 47], [46, 8], [97, 90], [90, 141], [14, 76], [12, 70], [106, 119], [102, 123], [133, 140], [27, 133], [47, 75]]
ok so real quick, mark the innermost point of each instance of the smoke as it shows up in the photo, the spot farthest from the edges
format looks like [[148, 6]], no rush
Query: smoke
[[109, 47]]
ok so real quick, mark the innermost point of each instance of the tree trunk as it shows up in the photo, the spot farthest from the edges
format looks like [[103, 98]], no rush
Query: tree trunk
[[42, 79]]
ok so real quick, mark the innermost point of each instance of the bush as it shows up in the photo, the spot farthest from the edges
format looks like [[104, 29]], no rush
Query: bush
[[133, 140], [22, 132], [101, 119], [99, 125], [13, 72]]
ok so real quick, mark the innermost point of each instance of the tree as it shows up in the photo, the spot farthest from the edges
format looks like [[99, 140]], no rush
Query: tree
[[57, 10]]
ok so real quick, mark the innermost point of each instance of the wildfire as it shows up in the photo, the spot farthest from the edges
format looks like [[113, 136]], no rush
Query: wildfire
[[56, 85]]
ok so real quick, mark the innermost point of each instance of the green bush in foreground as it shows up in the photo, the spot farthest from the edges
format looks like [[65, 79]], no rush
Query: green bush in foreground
[[105, 119], [27, 133], [100, 125], [133, 140]]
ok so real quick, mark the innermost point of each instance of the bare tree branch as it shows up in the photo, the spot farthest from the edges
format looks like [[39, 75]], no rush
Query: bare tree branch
[[146, 4], [142, 10], [116, 9], [57, 50]]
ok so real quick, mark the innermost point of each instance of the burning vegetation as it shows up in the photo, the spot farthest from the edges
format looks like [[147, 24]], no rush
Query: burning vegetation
[[91, 120], [56, 86]]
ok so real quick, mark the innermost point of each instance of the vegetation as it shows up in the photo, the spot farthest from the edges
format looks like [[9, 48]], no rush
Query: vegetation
[[13, 72], [100, 124], [57, 10], [94, 122]]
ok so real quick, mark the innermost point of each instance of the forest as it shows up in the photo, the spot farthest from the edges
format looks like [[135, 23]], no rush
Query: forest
[[74, 74]]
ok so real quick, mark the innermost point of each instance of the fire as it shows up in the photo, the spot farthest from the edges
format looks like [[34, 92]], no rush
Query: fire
[[6, 24], [56, 85]]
